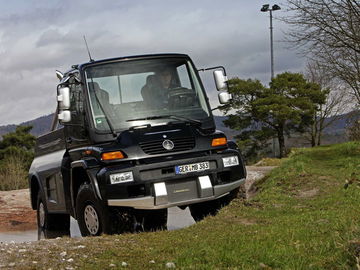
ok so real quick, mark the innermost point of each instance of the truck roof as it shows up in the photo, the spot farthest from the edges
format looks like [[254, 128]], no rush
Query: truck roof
[[132, 57]]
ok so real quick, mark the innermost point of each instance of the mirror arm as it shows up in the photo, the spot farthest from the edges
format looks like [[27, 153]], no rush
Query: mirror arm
[[55, 119], [211, 68]]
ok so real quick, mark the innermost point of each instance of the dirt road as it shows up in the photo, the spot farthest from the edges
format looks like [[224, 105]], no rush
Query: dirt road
[[16, 213]]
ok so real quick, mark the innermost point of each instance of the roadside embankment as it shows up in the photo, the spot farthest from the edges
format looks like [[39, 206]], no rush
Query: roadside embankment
[[304, 215]]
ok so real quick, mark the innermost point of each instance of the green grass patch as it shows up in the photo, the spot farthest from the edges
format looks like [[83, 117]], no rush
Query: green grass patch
[[306, 215]]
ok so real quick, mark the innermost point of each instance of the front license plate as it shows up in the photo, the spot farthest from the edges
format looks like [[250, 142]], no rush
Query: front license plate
[[195, 167]]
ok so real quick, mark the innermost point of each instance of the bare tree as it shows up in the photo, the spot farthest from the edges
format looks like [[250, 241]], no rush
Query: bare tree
[[335, 105], [329, 31]]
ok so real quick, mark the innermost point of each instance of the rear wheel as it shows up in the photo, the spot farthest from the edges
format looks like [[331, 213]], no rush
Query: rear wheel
[[51, 222]]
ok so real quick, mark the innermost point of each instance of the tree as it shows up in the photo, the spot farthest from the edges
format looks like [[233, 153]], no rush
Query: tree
[[335, 104], [261, 113], [329, 31], [19, 143]]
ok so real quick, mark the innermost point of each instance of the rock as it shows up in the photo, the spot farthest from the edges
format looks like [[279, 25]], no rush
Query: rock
[[170, 265], [63, 254], [70, 260], [112, 265], [152, 261], [124, 264]]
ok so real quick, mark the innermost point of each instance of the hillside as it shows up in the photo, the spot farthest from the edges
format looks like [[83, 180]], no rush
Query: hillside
[[304, 215], [40, 125]]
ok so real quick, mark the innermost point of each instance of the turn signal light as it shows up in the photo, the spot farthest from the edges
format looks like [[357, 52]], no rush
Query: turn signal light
[[219, 141], [112, 155]]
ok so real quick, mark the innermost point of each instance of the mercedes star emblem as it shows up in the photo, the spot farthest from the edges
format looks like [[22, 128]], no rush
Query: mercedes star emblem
[[168, 145]]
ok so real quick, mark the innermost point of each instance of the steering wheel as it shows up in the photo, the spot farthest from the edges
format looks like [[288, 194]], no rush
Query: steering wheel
[[181, 97]]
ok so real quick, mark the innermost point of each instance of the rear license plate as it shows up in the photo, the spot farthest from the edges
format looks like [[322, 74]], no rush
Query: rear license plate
[[195, 167]]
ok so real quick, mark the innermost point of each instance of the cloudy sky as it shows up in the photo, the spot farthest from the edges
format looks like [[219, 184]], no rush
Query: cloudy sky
[[39, 36]]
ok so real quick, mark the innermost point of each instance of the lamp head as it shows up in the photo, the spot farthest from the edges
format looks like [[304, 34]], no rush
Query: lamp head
[[265, 8], [276, 7]]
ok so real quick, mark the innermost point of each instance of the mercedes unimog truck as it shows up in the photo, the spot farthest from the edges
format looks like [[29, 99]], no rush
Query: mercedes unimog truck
[[133, 136]]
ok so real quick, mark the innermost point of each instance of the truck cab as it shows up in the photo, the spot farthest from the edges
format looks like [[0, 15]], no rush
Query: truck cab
[[136, 136]]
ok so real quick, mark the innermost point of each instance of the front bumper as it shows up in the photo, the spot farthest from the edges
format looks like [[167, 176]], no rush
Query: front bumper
[[156, 185], [161, 198]]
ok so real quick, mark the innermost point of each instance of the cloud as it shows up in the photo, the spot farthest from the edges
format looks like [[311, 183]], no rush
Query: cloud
[[38, 37]]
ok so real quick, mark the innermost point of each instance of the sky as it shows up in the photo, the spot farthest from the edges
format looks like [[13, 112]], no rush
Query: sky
[[38, 37]]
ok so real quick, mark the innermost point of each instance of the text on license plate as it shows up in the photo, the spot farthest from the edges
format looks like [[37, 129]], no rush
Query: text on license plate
[[195, 167]]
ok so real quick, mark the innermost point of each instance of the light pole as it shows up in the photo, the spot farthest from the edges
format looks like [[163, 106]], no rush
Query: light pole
[[265, 8]]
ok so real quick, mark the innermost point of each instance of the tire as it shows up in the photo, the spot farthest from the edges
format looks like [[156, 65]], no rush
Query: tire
[[201, 210], [92, 216], [156, 220], [210, 208], [51, 222]]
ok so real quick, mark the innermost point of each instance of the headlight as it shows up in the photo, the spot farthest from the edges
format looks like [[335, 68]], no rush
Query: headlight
[[230, 161], [121, 177]]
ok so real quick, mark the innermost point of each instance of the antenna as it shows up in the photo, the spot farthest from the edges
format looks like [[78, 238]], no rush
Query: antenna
[[87, 48]]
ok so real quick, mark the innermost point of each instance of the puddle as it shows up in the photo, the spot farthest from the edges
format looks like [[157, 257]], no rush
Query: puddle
[[177, 219]]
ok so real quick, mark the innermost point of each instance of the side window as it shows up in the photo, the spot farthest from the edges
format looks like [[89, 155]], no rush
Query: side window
[[76, 101], [184, 76]]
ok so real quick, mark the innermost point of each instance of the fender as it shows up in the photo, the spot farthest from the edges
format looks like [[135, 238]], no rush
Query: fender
[[84, 164], [33, 197]]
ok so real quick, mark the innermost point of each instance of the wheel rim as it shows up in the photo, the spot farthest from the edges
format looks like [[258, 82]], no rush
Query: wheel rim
[[41, 215], [91, 219]]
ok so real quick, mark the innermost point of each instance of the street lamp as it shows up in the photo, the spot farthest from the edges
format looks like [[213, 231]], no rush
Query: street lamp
[[266, 8]]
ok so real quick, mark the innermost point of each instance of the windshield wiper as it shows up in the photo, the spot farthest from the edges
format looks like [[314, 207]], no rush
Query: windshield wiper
[[169, 116]]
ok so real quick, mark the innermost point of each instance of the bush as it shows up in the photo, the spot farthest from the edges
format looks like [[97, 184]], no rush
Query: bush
[[354, 131], [13, 174]]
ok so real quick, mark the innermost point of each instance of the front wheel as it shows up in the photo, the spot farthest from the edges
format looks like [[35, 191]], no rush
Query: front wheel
[[93, 217], [156, 220], [210, 208]]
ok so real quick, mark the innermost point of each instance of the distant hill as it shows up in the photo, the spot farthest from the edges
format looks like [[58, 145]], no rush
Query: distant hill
[[332, 134], [40, 125]]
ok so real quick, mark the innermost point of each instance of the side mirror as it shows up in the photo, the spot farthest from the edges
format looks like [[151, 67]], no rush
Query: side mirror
[[220, 80], [224, 97], [64, 98], [64, 116]]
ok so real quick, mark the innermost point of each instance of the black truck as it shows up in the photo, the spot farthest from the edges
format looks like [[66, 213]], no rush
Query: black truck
[[133, 136]]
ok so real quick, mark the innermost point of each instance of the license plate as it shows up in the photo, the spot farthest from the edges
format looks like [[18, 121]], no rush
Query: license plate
[[195, 167]]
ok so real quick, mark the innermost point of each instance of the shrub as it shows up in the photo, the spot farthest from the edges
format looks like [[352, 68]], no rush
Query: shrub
[[13, 174], [354, 131]]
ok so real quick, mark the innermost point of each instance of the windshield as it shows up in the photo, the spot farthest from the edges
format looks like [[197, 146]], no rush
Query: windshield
[[127, 93]]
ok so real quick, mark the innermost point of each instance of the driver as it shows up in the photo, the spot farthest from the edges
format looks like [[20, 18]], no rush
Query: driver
[[155, 91]]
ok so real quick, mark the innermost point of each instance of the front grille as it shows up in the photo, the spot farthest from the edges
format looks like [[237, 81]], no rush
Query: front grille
[[156, 147]]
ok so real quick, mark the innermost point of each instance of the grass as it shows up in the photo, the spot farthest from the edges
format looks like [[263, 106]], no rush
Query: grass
[[302, 217], [269, 162]]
